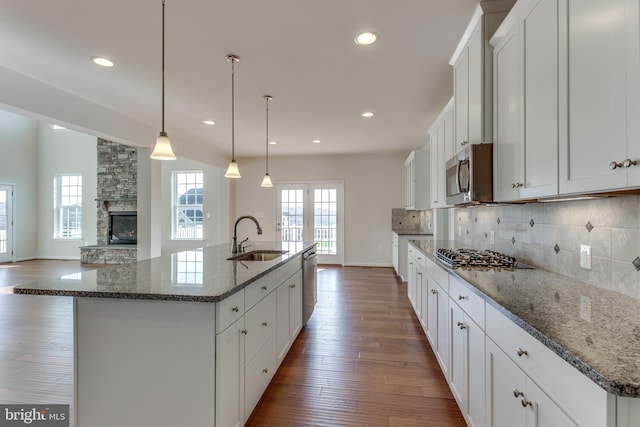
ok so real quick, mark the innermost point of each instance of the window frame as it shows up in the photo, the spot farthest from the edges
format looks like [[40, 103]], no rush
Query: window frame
[[179, 189], [60, 231]]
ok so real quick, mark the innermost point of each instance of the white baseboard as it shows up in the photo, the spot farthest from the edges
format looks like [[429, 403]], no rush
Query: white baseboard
[[366, 264], [61, 258], [27, 258]]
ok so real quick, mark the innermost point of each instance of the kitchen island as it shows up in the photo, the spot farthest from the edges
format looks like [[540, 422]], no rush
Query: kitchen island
[[189, 338]]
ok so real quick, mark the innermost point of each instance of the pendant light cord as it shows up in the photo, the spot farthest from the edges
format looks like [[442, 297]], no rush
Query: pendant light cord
[[233, 126], [267, 141], [163, 2]]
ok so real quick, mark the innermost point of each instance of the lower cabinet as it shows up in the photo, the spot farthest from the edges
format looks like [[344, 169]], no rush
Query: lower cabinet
[[513, 399], [466, 373], [249, 350], [230, 375], [437, 312]]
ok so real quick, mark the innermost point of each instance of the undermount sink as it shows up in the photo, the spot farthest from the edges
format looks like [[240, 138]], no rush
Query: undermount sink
[[259, 255]]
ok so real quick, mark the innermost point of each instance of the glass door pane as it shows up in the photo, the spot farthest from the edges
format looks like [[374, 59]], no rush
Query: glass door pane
[[6, 223], [325, 219], [291, 215]]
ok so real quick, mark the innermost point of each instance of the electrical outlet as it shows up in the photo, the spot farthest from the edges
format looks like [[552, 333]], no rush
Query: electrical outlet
[[585, 257], [492, 237]]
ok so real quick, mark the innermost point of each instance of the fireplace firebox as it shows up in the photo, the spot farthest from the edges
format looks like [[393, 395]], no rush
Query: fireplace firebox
[[123, 228]]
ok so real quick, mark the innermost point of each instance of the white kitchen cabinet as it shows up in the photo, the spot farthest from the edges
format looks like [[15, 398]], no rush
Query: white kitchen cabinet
[[466, 373], [599, 108], [417, 180], [525, 60], [438, 322], [230, 382], [258, 374], [260, 324], [402, 249], [441, 146], [395, 259], [513, 399], [472, 75], [289, 314]]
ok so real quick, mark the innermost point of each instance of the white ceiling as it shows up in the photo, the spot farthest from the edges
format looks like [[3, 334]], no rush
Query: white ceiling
[[301, 52]]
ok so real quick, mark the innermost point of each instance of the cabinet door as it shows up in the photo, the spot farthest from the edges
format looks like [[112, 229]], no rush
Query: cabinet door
[[283, 313], [450, 148], [539, 41], [432, 313], [633, 90], [443, 331], [295, 305], [504, 383], [475, 374], [457, 371], [461, 98], [417, 291], [593, 75], [410, 182], [230, 375], [424, 301], [507, 148], [542, 411], [260, 323], [476, 86], [437, 200], [411, 280]]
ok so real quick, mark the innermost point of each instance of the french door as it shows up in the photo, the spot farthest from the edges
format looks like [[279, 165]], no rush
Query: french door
[[6, 223], [312, 211]]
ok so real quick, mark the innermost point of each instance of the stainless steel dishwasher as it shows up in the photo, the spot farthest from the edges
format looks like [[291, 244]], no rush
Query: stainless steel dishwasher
[[309, 290]]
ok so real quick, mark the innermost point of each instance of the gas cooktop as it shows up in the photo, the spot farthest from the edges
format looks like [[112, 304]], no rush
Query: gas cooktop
[[477, 259]]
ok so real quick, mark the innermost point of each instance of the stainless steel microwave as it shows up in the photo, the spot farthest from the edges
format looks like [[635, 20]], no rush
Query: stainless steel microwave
[[470, 176]]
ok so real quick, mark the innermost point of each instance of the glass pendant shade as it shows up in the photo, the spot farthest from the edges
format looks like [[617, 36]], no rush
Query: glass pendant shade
[[232, 170], [162, 150], [266, 181]]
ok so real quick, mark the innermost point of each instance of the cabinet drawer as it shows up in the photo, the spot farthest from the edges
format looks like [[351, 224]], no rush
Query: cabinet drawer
[[411, 250], [439, 274], [288, 269], [260, 324], [229, 310], [421, 259], [472, 303], [583, 400], [259, 289], [257, 375]]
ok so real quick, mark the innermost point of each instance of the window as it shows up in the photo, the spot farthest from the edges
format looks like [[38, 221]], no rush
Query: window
[[67, 205], [187, 205], [187, 268], [325, 215]]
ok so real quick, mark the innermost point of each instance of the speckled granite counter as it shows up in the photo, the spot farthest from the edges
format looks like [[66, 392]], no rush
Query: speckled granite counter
[[595, 330], [412, 232], [202, 275]]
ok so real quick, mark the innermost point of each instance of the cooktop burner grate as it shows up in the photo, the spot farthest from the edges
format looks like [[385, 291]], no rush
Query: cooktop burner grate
[[472, 258]]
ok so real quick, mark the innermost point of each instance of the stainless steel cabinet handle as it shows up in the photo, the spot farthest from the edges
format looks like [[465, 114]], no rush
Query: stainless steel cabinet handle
[[433, 291], [292, 286], [265, 371], [462, 325], [461, 297], [517, 393], [264, 288], [526, 403], [264, 323], [522, 352], [244, 332], [628, 163], [615, 165], [236, 309], [517, 185], [464, 143]]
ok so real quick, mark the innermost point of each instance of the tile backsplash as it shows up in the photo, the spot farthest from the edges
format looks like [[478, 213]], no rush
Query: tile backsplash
[[549, 235], [402, 219]]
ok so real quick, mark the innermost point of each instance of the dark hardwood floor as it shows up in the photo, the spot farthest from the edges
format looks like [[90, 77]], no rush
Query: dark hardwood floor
[[362, 359]]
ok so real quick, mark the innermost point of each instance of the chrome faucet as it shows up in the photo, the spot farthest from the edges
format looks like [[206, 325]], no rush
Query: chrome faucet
[[234, 248]]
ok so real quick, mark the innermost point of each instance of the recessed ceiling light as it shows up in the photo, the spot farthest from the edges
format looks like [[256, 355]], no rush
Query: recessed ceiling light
[[367, 114], [103, 62], [209, 122], [366, 38], [272, 142], [316, 141]]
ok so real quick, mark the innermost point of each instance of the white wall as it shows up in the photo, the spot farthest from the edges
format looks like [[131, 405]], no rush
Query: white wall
[[65, 152], [373, 185], [215, 200], [18, 166]]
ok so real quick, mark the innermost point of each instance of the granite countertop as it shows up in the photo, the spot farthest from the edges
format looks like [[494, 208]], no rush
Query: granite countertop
[[595, 330], [201, 275], [412, 232]]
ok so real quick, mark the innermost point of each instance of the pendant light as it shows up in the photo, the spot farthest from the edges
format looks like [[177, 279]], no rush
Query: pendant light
[[163, 150], [266, 181], [232, 170]]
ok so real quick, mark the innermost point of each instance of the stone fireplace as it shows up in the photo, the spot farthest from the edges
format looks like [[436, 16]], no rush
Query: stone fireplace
[[123, 228], [117, 194]]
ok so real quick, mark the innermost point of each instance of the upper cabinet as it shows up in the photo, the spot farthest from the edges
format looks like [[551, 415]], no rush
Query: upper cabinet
[[525, 85], [442, 148], [599, 114], [417, 180], [472, 75]]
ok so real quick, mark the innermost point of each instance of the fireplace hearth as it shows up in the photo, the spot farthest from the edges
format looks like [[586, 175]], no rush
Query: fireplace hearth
[[123, 228]]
